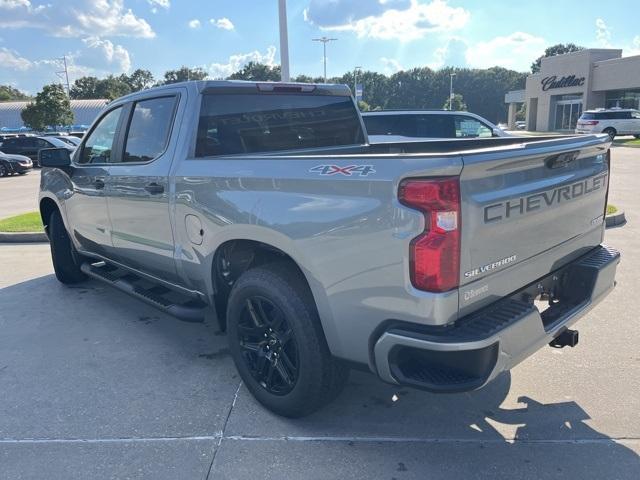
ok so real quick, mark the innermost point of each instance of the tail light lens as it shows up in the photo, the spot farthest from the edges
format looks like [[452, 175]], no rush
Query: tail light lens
[[588, 122], [435, 254]]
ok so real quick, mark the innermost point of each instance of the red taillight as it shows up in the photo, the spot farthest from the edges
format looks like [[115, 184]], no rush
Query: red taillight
[[435, 254], [588, 122]]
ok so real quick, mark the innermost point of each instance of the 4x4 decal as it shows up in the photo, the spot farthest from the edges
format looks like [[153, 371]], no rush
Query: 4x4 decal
[[361, 170]]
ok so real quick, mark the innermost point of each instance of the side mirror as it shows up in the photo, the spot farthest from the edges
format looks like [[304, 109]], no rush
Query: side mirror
[[54, 157]]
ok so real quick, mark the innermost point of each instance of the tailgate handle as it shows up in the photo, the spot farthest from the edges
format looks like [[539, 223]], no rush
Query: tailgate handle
[[561, 160]]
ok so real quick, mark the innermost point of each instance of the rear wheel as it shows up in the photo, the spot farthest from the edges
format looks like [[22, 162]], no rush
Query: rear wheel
[[65, 258], [611, 132], [3, 170], [277, 343]]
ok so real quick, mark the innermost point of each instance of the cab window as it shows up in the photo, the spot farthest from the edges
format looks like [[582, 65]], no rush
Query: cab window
[[98, 147], [149, 129], [469, 127]]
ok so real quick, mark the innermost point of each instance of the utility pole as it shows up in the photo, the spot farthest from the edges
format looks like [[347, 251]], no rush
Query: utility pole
[[324, 41], [64, 74], [284, 41], [451, 75]]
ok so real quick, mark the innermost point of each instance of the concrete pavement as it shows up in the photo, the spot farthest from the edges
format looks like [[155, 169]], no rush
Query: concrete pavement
[[19, 193], [94, 384]]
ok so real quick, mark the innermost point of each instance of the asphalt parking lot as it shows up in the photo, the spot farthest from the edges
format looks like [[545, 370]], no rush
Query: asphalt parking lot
[[19, 193], [94, 384]]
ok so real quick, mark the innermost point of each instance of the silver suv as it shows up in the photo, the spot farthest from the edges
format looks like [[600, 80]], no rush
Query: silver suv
[[614, 121]]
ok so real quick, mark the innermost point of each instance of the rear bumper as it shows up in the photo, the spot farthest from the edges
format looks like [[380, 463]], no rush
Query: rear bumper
[[475, 349]]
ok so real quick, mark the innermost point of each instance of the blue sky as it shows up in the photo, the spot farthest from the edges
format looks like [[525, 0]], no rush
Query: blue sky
[[114, 36]]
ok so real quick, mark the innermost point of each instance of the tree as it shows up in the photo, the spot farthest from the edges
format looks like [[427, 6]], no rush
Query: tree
[[51, 108], [139, 80], [8, 93], [257, 72], [552, 51], [457, 104], [184, 74], [521, 114]]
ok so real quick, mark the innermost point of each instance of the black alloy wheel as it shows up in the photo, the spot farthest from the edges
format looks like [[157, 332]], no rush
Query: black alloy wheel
[[268, 345]]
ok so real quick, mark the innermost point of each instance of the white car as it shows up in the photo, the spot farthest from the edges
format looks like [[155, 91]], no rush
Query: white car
[[614, 121], [402, 125]]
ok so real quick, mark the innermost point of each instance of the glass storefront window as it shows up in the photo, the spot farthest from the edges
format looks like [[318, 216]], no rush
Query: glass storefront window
[[623, 99], [568, 110]]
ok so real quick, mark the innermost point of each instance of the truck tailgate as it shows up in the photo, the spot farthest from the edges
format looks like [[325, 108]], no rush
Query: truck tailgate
[[527, 210]]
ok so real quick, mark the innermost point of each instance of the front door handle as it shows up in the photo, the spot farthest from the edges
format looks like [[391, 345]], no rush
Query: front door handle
[[98, 183], [154, 188]]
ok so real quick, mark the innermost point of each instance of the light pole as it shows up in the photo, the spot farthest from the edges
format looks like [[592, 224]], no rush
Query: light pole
[[355, 82], [324, 41], [284, 41], [451, 75]]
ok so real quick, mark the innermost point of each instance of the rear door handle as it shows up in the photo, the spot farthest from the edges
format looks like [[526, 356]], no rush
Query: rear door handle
[[154, 188], [98, 183]]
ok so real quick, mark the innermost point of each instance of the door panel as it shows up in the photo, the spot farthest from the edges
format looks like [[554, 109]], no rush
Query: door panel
[[138, 191], [86, 208]]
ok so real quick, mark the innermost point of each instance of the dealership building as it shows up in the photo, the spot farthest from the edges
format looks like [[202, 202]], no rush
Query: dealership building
[[568, 84]]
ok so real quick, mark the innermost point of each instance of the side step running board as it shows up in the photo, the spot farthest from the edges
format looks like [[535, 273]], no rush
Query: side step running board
[[174, 303]]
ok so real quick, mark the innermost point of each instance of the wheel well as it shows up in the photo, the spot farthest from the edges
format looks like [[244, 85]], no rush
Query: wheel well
[[47, 207], [235, 257]]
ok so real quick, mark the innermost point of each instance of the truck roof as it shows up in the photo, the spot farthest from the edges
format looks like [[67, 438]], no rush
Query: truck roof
[[243, 86]]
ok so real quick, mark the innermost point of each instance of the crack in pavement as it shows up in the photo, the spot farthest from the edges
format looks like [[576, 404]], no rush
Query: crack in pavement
[[224, 427]]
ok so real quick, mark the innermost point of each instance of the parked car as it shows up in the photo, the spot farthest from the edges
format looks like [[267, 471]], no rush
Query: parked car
[[14, 164], [402, 125], [421, 262], [70, 139], [521, 125], [613, 121], [30, 146]]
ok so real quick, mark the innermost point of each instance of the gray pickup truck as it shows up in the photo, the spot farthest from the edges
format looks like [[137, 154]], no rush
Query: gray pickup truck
[[435, 265]]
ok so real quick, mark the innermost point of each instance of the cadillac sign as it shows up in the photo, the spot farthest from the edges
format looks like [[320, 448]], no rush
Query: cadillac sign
[[569, 81]]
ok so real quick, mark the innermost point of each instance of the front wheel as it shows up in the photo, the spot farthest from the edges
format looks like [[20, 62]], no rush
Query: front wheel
[[277, 343], [3, 170], [65, 258]]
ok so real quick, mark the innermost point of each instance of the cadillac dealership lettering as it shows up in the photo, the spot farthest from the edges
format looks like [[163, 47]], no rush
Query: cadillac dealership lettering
[[569, 81]]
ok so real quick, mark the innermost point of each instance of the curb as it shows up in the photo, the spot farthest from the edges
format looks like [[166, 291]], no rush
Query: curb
[[615, 220], [23, 237]]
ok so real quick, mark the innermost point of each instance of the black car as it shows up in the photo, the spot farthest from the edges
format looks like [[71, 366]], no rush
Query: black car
[[30, 146], [10, 164]]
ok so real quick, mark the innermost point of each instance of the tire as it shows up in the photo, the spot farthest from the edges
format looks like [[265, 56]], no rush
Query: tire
[[275, 335], [65, 258], [4, 172], [611, 132]]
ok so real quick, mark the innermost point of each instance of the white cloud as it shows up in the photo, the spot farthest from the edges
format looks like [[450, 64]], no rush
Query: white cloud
[[407, 22], [195, 23], [390, 65], [104, 55], [223, 23], [11, 60], [160, 3], [452, 54], [514, 51], [75, 18], [603, 33], [236, 62]]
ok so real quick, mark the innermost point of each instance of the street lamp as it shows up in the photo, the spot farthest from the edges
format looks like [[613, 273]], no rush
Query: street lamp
[[284, 41], [324, 41], [355, 82], [451, 75]]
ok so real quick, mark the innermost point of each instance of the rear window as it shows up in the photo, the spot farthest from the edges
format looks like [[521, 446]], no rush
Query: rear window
[[411, 125], [250, 123]]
